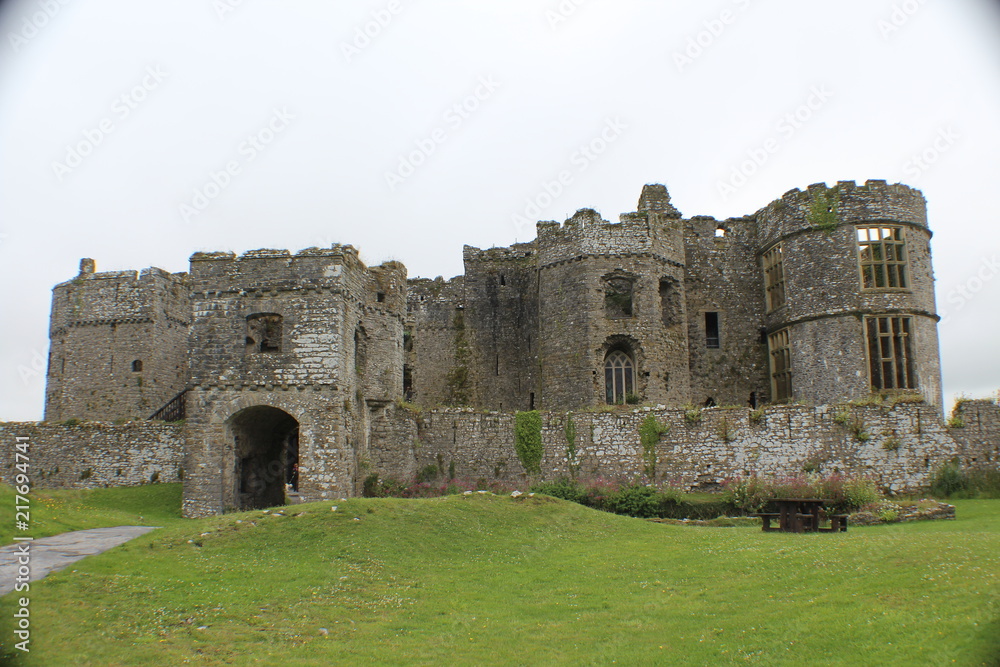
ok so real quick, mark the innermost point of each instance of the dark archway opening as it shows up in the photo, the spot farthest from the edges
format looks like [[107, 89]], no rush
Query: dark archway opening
[[266, 449]]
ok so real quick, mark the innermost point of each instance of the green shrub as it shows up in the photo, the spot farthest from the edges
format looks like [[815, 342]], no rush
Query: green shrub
[[949, 480], [757, 416], [634, 500], [747, 495], [428, 473], [566, 489], [528, 440]]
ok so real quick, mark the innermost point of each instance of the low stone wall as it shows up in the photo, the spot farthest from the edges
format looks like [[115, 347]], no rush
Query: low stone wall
[[94, 454], [899, 446]]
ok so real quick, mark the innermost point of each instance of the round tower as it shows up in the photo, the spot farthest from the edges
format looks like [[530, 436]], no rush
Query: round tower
[[611, 307], [849, 293]]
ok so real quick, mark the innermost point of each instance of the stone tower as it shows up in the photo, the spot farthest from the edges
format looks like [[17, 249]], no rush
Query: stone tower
[[291, 357], [850, 293], [611, 304], [118, 344]]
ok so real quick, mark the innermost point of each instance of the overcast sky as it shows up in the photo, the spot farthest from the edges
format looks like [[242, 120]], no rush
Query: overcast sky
[[137, 133]]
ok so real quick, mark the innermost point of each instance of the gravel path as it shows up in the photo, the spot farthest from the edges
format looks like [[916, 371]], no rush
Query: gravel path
[[50, 554]]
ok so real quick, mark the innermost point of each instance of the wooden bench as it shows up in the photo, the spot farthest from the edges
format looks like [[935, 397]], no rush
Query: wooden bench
[[767, 518], [838, 522]]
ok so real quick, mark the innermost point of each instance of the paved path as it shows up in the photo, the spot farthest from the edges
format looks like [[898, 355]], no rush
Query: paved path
[[50, 554]]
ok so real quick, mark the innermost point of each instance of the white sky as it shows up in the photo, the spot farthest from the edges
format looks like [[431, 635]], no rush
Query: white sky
[[899, 79]]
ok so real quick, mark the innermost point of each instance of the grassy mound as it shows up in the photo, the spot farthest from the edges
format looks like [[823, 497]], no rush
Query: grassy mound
[[484, 579]]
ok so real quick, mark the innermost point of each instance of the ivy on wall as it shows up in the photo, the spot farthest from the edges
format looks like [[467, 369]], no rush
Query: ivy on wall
[[457, 379], [528, 440], [649, 435]]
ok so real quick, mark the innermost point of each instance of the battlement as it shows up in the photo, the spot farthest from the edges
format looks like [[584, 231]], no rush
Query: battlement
[[587, 233], [515, 253], [820, 206], [274, 269]]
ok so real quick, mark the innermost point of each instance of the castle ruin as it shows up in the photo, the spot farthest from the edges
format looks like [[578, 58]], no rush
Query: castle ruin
[[302, 373]]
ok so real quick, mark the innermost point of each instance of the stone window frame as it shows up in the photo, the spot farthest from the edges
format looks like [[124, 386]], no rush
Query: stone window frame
[[779, 353], [614, 299], [270, 339], [773, 265], [619, 376], [883, 260], [889, 346]]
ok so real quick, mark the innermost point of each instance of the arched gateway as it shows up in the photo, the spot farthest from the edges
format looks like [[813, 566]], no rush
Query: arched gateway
[[265, 455]]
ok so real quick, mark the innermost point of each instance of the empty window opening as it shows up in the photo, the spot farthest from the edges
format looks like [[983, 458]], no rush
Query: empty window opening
[[712, 330], [263, 332], [779, 348], [498, 365], [137, 366], [360, 356], [380, 296], [670, 302], [618, 297], [407, 341], [720, 232], [619, 377], [531, 401], [407, 382], [890, 355], [752, 401], [774, 277], [503, 280], [882, 253], [710, 402]]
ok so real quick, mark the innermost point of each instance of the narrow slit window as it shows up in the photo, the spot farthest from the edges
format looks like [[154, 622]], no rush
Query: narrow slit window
[[712, 339], [774, 277], [780, 352]]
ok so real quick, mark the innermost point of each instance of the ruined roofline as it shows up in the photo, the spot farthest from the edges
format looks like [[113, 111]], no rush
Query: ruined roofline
[[876, 194], [89, 273]]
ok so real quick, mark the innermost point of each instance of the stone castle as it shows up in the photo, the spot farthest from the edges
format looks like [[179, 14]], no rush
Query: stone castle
[[303, 373]]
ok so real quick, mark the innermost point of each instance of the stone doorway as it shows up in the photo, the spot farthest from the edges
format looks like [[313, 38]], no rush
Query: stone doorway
[[265, 457]]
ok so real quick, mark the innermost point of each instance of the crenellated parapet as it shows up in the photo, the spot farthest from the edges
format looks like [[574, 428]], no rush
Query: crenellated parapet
[[821, 207]]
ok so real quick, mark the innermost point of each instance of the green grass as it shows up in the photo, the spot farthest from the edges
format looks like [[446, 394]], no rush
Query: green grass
[[481, 579], [56, 511]]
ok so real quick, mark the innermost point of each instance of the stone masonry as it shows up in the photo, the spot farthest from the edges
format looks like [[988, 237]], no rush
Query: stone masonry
[[298, 375]]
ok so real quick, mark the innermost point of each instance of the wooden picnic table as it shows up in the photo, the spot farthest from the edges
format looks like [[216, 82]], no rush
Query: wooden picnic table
[[801, 515]]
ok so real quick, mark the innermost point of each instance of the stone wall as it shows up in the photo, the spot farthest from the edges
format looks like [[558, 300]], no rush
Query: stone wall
[[95, 454], [901, 447]]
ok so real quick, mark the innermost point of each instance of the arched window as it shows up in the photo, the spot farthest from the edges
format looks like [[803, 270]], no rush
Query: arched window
[[619, 377]]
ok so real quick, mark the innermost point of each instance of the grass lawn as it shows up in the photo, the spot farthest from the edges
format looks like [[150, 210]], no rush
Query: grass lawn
[[55, 511], [488, 580]]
